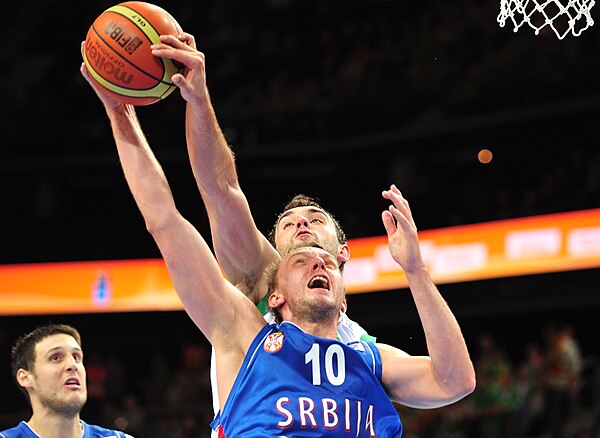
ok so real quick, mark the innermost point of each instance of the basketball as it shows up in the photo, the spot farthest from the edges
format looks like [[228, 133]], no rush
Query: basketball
[[118, 56]]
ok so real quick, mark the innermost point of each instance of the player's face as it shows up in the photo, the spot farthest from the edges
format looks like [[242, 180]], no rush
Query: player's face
[[58, 379], [312, 284], [306, 226]]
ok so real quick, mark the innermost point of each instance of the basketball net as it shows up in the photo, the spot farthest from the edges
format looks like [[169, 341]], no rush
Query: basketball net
[[574, 17]]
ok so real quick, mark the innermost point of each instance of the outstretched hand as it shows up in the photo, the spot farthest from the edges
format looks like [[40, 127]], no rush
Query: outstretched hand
[[182, 49], [401, 231], [107, 100]]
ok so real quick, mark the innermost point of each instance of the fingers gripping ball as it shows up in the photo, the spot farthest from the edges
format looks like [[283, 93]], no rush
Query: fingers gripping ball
[[118, 56]]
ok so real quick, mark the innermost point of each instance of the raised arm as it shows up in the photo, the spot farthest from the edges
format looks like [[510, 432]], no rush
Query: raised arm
[[222, 313], [242, 250], [447, 374]]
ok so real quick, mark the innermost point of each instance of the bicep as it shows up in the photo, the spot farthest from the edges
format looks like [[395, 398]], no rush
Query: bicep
[[409, 380]]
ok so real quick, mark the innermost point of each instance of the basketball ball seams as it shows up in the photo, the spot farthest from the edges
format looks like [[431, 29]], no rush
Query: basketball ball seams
[[167, 91]]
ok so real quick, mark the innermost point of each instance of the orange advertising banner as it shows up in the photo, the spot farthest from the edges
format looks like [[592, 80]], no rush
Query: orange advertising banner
[[83, 287], [507, 248], [514, 247]]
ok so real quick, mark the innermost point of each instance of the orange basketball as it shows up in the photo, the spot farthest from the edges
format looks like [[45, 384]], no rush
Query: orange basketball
[[117, 52]]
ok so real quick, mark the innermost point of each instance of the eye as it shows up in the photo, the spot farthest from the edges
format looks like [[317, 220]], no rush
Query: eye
[[78, 357], [286, 225], [316, 220], [331, 264], [300, 261], [54, 357]]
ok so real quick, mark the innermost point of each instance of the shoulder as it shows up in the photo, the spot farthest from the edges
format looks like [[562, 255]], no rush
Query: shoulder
[[93, 431], [8, 433], [21, 430]]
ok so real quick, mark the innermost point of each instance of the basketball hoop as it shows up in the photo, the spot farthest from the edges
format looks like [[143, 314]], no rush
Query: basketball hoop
[[574, 17]]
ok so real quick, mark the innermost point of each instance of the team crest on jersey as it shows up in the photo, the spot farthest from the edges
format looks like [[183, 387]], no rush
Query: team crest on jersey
[[274, 342]]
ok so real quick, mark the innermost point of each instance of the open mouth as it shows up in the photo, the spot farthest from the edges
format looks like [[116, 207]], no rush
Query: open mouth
[[72, 382], [319, 282]]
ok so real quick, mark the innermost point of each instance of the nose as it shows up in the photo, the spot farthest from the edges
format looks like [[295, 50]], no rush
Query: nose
[[318, 264], [73, 365], [302, 222]]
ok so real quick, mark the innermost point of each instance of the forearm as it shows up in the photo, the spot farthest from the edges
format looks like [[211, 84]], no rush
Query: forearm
[[241, 248], [451, 364], [143, 173], [211, 157]]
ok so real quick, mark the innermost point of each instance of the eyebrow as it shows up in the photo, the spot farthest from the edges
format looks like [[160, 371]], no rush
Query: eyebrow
[[64, 348], [310, 210]]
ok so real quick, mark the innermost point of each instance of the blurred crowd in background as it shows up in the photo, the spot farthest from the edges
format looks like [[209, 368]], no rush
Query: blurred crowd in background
[[336, 100]]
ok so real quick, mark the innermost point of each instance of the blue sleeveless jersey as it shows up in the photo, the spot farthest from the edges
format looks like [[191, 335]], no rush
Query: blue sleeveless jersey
[[22, 430], [293, 384]]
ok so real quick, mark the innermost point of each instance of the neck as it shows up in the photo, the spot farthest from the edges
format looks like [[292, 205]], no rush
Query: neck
[[316, 320], [319, 329], [52, 425]]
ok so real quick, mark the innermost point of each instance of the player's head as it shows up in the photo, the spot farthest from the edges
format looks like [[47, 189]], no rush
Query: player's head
[[304, 222], [47, 365], [306, 285]]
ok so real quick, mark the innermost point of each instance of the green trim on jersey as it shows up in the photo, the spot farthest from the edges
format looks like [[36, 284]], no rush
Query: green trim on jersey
[[263, 307], [368, 338], [365, 337]]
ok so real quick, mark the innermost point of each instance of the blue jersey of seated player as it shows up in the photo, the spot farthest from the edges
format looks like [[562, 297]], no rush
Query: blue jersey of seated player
[[293, 384], [22, 430]]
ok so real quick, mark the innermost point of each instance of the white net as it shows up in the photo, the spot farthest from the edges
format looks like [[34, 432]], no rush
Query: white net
[[573, 17]]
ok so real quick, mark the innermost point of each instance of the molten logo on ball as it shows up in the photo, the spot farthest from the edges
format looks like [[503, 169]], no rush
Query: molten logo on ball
[[108, 64]]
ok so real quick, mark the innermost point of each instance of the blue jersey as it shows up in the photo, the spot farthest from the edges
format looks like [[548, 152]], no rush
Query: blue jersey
[[293, 384], [348, 332], [22, 430]]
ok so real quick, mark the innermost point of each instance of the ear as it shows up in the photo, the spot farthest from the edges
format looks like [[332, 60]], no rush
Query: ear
[[24, 378], [344, 306], [275, 300], [344, 253]]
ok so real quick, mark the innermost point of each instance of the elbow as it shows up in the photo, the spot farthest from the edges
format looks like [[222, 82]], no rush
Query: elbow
[[466, 384], [154, 227], [469, 384], [461, 385], [160, 224]]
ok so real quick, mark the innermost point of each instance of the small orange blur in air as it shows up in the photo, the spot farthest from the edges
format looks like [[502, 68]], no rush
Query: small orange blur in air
[[485, 156]]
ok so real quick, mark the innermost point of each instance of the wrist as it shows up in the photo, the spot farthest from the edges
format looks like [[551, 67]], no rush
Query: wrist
[[121, 110]]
